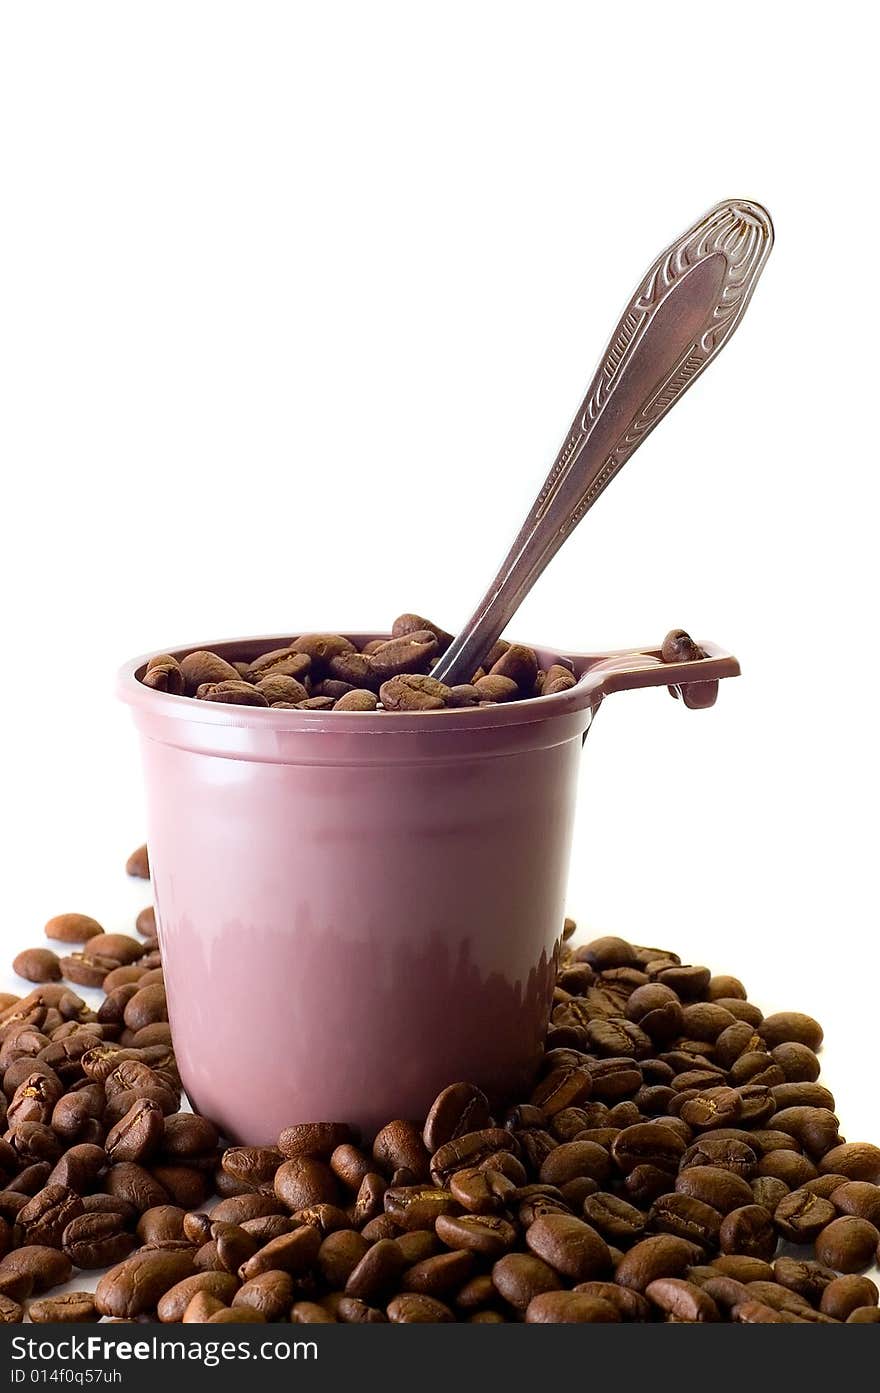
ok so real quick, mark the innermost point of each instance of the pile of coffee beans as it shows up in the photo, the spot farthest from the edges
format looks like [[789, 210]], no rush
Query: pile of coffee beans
[[677, 1160], [327, 672]]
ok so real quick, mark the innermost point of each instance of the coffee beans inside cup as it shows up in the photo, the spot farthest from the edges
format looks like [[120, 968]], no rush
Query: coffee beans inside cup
[[327, 672], [675, 1160]]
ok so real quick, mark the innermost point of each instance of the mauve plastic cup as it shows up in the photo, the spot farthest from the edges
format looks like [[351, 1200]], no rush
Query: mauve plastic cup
[[356, 909]]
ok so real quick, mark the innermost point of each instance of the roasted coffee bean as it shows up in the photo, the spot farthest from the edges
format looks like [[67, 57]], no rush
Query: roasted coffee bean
[[253, 1165], [274, 1225], [815, 1129], [629, 1305], [564, 1087], [557, 679], [135, 1286], [34, 1142], [417, 1308], [520, 1277], [95, 1240], [801, 1216], [723, 1153], [797, 1062], [292, 1252], [204, 667], [607, 952], [789, 1166], [309, 1313], [377, 1271], [161, 1224], [441, 1274], [803, 1094], [809, 1279], [44, 1218], [133, 1183], [109, 1204], [184, 1185], [121, 949], [413, 623], [350, 1310], [847, 1294], [615, 1219], [681, 1299], [45, 1267], [418, 1244], [173, 1304], [724, 1190], [848, 1244], [570, 1308], [493, 688], [338, 1256], [147, 1007], [662, 1255], [468, 1149], [780, 1298], [349, 1165], [34, 1099], [459, 1109], [72, 928], [856, 1160], [657, 1010], [479, 1292], [304, 1181], [234, 1246], [400, 1144], [235, 693], [570, 1246], [138, 1135], [38, 965], [646, 1183], [270, 1294], [487, 1235], [358, 699], [72, 1307], [788, 1026], [687, 1218], [320, 649], [858, 1197], [11, 1202], [575, 1159], [418, 1206], [480, 1189], [413, 692], [614, 1078], [242, 1315], [734, 1042], [749, 1230], [86, 972], [316, 1140], [755, 1067], [647, 1143], [32, 1178], [711, 1107], [406, 654], [80, 1167], [768, 1191]]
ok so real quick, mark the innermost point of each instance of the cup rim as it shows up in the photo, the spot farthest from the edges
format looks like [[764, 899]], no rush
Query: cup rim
[[525, 711]]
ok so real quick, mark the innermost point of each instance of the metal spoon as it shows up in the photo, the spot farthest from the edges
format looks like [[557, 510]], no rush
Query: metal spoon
[[679, 318]]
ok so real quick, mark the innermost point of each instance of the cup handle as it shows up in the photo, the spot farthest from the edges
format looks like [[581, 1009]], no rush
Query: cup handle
[[600, 674]]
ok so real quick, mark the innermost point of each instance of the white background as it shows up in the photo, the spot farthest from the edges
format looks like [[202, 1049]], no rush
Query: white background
[[297, 304]]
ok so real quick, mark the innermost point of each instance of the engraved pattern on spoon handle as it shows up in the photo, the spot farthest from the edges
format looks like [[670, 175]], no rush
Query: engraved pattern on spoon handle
[[683, 312]]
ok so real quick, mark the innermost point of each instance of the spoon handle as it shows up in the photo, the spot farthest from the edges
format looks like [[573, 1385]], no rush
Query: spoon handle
[[679, 318]]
